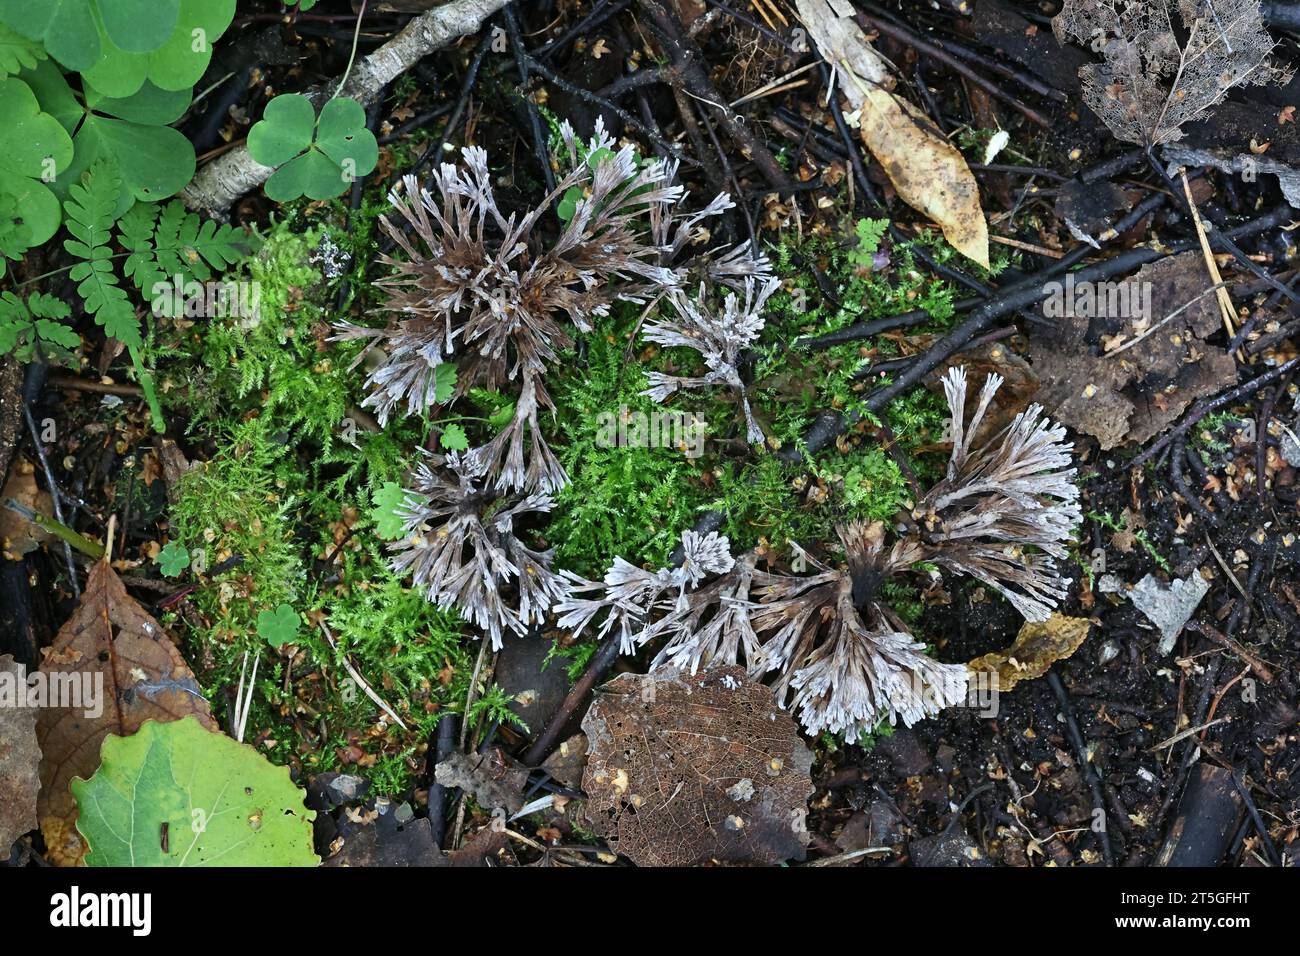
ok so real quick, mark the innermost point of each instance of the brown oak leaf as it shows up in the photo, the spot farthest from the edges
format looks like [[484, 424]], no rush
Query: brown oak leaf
[[19, 757]]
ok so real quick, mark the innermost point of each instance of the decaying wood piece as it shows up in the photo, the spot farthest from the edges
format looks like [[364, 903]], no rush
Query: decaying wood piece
[[1208, 817]]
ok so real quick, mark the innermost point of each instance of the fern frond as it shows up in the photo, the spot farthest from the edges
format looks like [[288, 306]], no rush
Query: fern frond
[[136, 233], [169, 241], [89, 213]]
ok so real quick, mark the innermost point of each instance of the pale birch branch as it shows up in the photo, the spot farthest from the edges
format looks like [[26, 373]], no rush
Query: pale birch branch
[[225, 179]]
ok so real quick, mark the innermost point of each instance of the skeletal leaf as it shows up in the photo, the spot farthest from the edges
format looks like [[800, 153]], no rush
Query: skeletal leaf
[[1160, 71], [110, 639]]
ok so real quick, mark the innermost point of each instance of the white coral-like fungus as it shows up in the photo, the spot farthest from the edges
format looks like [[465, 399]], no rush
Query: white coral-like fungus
[[461, 550]]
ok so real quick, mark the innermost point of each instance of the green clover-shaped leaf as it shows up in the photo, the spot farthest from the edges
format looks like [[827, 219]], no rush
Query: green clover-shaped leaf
[[278, 627], [388, 524], [173, 559], [37, 149], [316, 157], [139, 26], [66, 28], [176, 62], [126, 134]]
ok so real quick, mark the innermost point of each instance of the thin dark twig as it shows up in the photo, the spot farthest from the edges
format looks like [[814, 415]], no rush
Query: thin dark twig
[[1205, 406], [597, 100], [598, 15], [1085, 764], [930, 50], [56, 495], [1261, 431], [540, 150], [685, 61], [453, 122], [754, 24], [601, 662], [864, 330]]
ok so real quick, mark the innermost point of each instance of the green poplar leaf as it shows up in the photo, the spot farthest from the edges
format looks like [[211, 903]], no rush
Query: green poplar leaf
[[175, 64], [219, 803]]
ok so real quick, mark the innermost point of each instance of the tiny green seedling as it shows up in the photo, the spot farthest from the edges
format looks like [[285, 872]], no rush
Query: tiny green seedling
[[278, 627], [388, 524], [869, 233], [453, 438], [315, 157], [173, 559]]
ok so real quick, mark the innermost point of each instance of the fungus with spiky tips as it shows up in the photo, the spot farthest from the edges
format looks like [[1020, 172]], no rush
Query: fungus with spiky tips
[[719, 336], [497, 294], [843, 659], [461, 551]]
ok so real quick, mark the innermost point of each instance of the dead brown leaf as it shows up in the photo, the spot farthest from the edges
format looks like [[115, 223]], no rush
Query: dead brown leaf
[[144, 677], [492, 778], [1111, 395], [18, 536], [927, 171], [685, 769], [20, 755]]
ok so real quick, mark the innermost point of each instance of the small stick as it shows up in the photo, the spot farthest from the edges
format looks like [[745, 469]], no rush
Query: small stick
[[1189, 732], [1027, 247], [55, 496], [244, 702], [1085, 764], [352, 671], [1226, 307], [1205, 630], [56, 528]]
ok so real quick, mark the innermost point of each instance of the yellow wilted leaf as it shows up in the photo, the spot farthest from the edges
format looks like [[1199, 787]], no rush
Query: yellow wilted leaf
[[928, 172], [1038, 646]]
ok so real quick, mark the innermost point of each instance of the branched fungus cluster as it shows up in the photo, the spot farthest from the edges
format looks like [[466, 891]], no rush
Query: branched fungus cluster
[[499, 294]]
